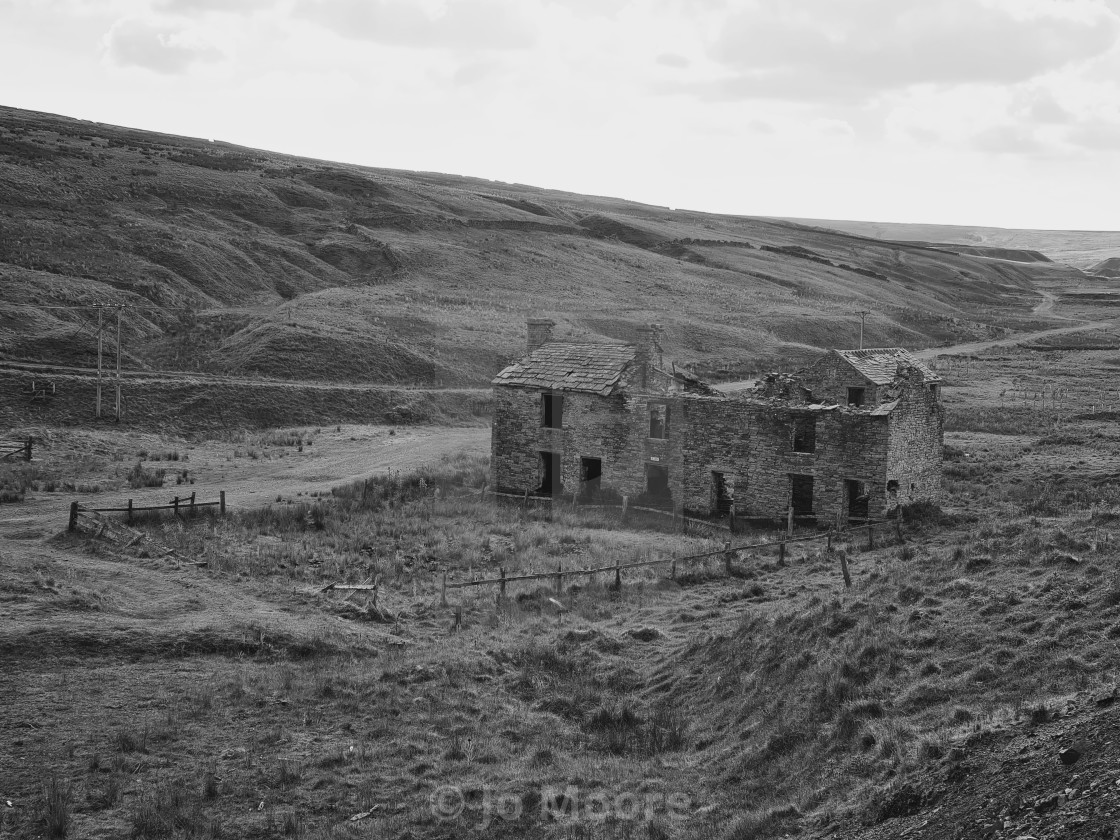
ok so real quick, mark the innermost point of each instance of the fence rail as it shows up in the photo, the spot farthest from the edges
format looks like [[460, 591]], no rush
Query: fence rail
[[186, 503], [12, 449], [728, 552]]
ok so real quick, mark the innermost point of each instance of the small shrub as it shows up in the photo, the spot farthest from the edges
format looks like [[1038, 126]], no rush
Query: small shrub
[[210, 784], [290, 771], [106, 794], [128, 741], [140, 476]]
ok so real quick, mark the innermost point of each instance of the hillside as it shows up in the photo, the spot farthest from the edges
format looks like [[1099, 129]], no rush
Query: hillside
[[1079, 248], [246, 262], [1106, 268]]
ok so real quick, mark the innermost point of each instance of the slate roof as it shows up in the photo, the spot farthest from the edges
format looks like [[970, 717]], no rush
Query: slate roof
[[594, 368], [879, 364]]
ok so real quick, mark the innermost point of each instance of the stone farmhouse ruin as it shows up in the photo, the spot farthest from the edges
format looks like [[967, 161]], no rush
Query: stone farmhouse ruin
[[851, 437]]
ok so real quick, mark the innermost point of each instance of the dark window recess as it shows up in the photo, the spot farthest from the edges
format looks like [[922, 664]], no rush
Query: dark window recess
[[723, 493], [590, 476], [858, 499], [552, 411], [801, 494], [892, 486], [805, 434], [549, 471], [933, 389], [657, 482], [856, 396], [659, 421]]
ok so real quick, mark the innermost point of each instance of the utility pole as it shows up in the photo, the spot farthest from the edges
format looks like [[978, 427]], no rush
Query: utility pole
[[97, 412], [863, 313], [119, 310]]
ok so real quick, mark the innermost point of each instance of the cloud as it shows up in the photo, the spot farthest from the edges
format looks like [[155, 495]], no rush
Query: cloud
[[1008, 139], [189, 7], [160, 49], [673, 60], [1042, 108], [460, 24], [474, 72], [823, 50], [1097, 135]]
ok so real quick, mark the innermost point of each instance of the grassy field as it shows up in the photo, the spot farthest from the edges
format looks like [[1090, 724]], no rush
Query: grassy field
[[148, 696]]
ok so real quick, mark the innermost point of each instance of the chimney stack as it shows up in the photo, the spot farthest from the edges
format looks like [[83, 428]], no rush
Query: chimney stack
[[649, 345], [539, 332]]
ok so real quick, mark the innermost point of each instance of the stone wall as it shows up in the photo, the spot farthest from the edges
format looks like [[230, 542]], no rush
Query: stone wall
[[749, 442], [916, 443], [752, 442], [612, 429]]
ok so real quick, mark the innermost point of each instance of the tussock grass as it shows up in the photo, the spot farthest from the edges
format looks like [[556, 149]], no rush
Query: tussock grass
[[55, 815], [141, 476]]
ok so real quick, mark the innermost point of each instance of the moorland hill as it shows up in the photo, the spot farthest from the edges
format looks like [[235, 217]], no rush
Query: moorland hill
[[248, 262]]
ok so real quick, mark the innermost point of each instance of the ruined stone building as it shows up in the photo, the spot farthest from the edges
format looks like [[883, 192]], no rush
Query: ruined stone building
[[851, 437]]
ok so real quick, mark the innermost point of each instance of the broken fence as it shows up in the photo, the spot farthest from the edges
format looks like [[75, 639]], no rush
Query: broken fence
[[180, 505], [728, 552], [10, 449]]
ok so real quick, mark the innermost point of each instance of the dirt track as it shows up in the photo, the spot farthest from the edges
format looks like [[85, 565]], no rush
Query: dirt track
[[150, 605], [334, 458]]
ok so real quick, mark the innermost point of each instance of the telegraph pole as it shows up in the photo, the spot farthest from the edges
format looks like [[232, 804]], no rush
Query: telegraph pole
[[119, 310], [97, 412], [863, 313]]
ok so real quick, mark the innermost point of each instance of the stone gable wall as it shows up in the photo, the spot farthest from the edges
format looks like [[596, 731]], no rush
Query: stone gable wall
[[830, 377]]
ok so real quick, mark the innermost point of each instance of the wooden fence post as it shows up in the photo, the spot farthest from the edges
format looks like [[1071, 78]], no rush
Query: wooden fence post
[[443, 590], [870, 537], [192, 502], [844, 569], [673, 570], [789, 522], [559, 576], [727, 557], [27, 450], [731, 519], [73, 523], [781, 551], [625, 504], [829, 546], [222, 502], [175, 504], [618, 569], [129, 511], [502, 586]]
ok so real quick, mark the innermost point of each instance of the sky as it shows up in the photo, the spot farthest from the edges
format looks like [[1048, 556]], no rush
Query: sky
[[976, 112]]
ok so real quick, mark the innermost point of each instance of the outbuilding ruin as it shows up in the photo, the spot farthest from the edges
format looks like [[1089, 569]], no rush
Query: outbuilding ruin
[[849, 438]]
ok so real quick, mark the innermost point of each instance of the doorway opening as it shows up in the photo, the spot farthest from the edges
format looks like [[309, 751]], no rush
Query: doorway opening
[[549, 471], [801, 494], [858, 499]]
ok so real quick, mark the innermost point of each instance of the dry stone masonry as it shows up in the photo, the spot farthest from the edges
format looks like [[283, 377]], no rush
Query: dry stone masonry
[[852, 437]]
